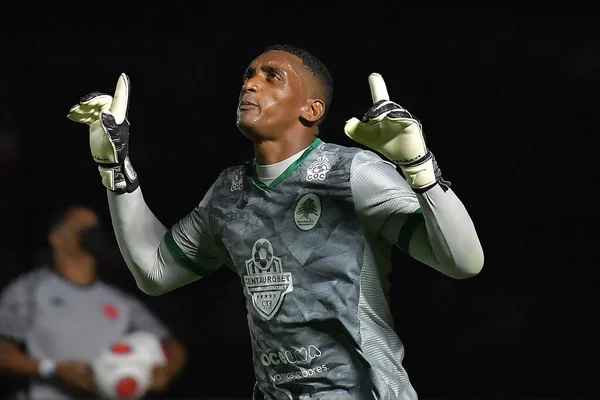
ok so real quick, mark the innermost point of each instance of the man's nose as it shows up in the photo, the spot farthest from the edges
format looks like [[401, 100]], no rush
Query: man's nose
[[250, 85]]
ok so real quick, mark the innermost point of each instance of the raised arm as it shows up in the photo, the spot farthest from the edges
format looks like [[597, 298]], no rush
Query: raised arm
[[433, 227], [443, 236], [145, 243], [141, 239]]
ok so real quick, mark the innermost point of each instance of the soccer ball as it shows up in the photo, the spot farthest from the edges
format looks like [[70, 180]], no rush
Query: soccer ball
[[124, 370]]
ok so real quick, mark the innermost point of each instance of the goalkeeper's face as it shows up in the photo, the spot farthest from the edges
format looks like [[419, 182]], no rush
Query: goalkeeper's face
[[275, 96]]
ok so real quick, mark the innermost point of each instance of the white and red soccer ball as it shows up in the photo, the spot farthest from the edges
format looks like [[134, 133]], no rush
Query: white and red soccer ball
[[124, 370]]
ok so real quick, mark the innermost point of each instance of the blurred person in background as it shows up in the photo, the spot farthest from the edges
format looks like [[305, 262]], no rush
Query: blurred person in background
[[56, 319]]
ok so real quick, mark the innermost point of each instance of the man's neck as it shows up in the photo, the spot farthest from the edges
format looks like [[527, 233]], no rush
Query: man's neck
[[76, 269], [269, 152]]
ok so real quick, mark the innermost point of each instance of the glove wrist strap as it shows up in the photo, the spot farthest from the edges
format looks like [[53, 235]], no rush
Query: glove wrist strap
[[424, 174], [421, 175], [120, 178]]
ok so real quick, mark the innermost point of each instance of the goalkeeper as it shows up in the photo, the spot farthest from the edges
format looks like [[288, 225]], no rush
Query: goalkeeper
[[307, 225]]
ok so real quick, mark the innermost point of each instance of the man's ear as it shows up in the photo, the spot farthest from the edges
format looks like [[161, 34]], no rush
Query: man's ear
[[53, 239], [313, 111]]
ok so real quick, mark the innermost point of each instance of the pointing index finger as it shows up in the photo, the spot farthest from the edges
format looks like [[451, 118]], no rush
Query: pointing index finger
[[120, 101], [378, 88]]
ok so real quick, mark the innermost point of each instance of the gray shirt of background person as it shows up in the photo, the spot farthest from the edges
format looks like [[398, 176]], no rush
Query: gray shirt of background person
[[57, 320]]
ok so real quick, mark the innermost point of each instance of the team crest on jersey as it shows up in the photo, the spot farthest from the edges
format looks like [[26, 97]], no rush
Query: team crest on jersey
[[307, 212], [317, 170], [265, 280], [237, 181]]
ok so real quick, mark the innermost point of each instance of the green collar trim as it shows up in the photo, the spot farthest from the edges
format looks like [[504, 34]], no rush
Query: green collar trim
[[289, 170]]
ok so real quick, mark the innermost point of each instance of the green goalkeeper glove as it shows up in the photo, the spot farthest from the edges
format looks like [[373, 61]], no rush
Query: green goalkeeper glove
[[392, 131], [109, 135]]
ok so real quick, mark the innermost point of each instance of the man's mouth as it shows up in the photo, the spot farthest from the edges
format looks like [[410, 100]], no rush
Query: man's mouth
[[247, 104]]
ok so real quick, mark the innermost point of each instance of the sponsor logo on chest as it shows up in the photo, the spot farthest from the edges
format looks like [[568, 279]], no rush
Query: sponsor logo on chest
[[265, 280]]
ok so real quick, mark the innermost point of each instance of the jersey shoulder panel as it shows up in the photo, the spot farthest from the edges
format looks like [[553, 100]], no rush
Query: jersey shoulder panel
[[329, 164], [29, 282], [231, 179], [342, 154], [19, 302]]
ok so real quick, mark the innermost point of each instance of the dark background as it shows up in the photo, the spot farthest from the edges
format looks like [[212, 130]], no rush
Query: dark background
[[508, 97]]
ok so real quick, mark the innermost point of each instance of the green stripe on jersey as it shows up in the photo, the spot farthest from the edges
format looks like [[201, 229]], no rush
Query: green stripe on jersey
[[408, 229], [181, 258]]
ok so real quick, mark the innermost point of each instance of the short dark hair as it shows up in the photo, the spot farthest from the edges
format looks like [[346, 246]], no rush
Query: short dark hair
[[57, 220], [314, 65]]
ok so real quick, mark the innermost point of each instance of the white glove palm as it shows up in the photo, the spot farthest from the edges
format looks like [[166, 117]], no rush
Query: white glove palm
[[109, 135], [392, 131]]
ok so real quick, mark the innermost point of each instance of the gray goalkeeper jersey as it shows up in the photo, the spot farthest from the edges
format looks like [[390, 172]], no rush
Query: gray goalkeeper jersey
[[312, 251]]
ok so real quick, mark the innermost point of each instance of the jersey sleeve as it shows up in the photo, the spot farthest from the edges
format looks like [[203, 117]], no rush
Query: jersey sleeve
[[384, 201], [191, 242], [16, 308], [142, 319]]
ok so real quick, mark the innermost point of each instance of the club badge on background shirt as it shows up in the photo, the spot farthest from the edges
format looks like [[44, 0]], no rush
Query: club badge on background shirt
[[111, 312]]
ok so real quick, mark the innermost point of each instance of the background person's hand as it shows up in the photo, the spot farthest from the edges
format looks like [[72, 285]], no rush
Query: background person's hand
[[76, 374], [161, 378]]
